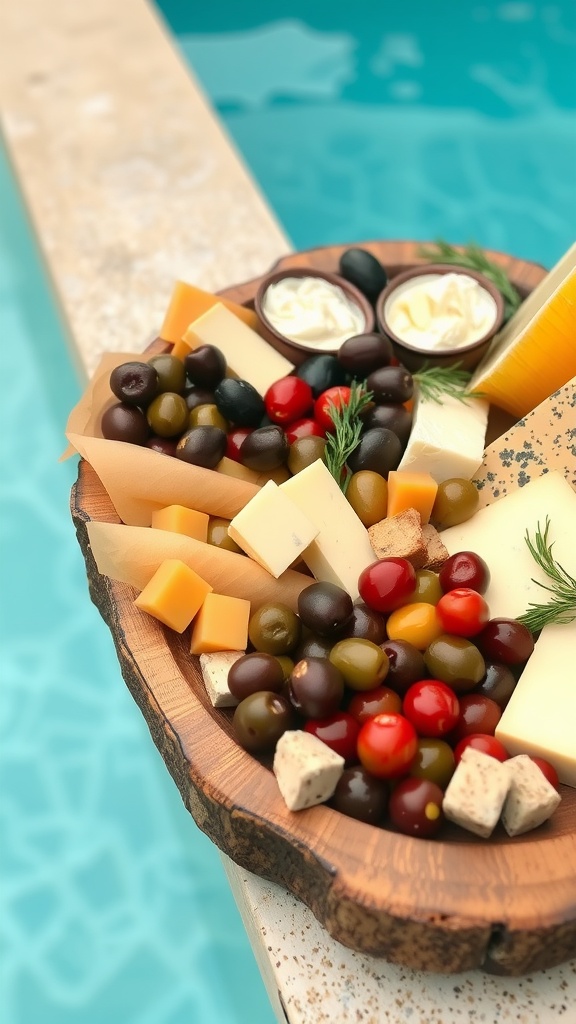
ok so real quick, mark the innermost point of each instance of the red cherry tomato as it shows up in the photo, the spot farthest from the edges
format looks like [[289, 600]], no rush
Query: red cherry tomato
[[548, 771], [487, 744], [366, 704], [304, 428], [477, 714], [288, 399], [337, 396], [234, 442], [387, 746], [462, 612], [339, 732], [464, 569], [387, 584], [432, 707]]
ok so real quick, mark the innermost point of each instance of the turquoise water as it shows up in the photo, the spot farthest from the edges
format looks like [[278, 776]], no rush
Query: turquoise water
[[413, 120], [114, 907]]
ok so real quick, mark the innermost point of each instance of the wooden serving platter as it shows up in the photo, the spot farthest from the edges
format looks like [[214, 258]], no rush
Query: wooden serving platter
[[446, 905]]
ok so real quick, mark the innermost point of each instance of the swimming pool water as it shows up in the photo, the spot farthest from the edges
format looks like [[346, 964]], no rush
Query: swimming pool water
[[413, 120], [114, 907]]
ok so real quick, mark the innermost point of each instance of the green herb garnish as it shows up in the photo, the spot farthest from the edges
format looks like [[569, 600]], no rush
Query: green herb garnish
[[341, 442], [436, 382], [472, 257], [562, 607]]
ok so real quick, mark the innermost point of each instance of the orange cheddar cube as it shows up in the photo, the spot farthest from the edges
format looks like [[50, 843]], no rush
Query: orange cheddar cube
[[174, 594], [180, 349], [408, 489], [179, 519], [188, 303], [221, 625]]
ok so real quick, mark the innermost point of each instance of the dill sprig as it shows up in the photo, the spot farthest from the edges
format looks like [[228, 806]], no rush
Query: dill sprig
[[472, 257], [341, 442], [436, 382], [562, 607]]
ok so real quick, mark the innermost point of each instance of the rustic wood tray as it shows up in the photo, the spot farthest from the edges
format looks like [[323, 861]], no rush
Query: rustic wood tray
[[506, 906]]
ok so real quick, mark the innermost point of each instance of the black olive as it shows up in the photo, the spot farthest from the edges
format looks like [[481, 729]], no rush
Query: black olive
[[321, 372], [361, 268], [395, 417], [265, 449], [134, 382], [194, 396], [364, 353], [239, 402], [391, 384], [205, 366], [202, 446], [121, 422], [324, 608], [379, 449]]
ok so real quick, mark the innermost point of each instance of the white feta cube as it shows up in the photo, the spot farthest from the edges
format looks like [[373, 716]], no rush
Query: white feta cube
[[307, 771], [215, 668], [272, 529], [476, 792], [531, 798]]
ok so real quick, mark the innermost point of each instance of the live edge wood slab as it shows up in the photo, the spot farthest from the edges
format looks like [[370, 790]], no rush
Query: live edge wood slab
[[505, 906]]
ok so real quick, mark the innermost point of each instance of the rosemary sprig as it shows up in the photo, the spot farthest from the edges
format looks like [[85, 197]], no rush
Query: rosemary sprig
[[562, 607], [341, 442], [436, 382], [474, 258]]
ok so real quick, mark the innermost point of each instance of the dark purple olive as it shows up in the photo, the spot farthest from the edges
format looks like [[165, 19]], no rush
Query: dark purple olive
[[394, 417], [360, 795], [265, 449], [325, 608], [202, 446], [260, 720], [365, 624], [163, 445], [498, 683], [121, 422], [195, 396], [361, 268], [135, 383], [254, 672], [364, 353], [205, 366], [378, 449], [239, 402], [406, 665], [316, 687], [313, 646], [415, 807], [391, 384], [321, 373]]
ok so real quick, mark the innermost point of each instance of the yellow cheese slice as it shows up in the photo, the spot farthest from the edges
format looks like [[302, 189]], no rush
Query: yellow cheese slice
[[535, 353]]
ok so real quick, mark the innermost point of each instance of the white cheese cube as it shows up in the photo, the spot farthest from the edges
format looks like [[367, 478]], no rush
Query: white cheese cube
[[531, 799], [246, 353], [272, 529], [540, 716], [307, 771], [476, 792], [215, 668], [342, 548], [447, 440]]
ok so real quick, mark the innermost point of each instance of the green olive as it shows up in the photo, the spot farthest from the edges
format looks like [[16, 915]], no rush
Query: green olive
[[260, 719], [304, 452], [171, 373], [167, 414], [363, 664], [455, 661], [367, 492], [456, 501], [207, 416], [434, 761], [219, 537], [286, 664], [274, 628], [428, 589]]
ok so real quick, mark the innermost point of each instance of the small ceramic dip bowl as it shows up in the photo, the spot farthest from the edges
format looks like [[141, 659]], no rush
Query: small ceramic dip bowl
[[309, 312], [440, 315]]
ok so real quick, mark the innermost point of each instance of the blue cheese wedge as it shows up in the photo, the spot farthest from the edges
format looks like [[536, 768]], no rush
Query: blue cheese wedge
[[272, 529], [215, 668], [447, 440], [307, 771], [530, 800], [476, 792]]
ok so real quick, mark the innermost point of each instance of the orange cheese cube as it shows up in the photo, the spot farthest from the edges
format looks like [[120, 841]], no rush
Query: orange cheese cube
[[181, 349], [408, 489], [179, 519], [221, 625], [174, 594], [188, 303]]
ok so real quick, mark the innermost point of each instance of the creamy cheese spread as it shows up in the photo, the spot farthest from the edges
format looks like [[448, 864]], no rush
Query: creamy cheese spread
[[312, 312], [440, 311]]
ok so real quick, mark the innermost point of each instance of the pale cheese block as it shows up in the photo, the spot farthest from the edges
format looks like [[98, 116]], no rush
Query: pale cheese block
[[497, 533], [215, 668], [247, 354], [476, 792], [531, 798], [272, 529], [540, 718], [342, 548], [447, 440], [307, 771]]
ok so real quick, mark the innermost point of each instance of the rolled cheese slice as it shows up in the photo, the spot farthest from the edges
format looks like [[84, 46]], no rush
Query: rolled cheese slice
[[132, 554]]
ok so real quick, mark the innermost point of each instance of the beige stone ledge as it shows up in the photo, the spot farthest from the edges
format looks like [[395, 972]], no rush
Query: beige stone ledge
[[129, 179]]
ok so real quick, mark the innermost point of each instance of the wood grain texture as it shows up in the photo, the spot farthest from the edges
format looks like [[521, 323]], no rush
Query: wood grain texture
[[506, 906]]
